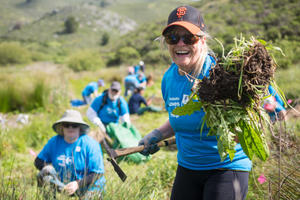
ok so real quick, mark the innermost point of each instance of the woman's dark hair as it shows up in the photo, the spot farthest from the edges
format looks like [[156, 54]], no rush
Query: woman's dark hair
[[138, 89]]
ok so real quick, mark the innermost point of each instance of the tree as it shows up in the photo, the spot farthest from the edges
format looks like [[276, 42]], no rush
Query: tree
[[104, 39], [71, 25]]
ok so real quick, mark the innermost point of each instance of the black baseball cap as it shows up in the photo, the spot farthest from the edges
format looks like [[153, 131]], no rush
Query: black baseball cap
[[188, 17]]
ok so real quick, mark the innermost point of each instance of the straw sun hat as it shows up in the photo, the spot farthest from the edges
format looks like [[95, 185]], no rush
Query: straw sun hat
[[71, 116]]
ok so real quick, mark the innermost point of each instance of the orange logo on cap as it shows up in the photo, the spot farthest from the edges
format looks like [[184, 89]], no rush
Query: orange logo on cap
[[181, 12]]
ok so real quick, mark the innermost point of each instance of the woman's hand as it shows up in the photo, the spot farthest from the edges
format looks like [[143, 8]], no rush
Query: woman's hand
[[71, 187], [150, 142]]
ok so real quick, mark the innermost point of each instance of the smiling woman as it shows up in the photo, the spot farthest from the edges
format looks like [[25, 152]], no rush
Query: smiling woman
[[200, 173]]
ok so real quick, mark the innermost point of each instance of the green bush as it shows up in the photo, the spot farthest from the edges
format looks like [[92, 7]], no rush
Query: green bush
[[71, 25], [125, 55], [104, 39], [157, 56], [13, 53], [85, 61], [291, 49], [128, 55]]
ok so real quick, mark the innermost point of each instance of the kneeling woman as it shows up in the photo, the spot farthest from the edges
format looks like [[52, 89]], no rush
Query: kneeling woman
[[72, 161]]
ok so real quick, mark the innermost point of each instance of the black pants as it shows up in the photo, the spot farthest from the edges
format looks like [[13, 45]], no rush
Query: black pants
[[209, 185]]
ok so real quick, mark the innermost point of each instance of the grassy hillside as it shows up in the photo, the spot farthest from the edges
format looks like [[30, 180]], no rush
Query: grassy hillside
[[146, 11], [276, 22], [23, 12], [42, 20], [136, 24], [93, 22]]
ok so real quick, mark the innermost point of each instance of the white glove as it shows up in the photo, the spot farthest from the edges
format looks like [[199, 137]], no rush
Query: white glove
[[93, 117], [71, 187], [98, 123]]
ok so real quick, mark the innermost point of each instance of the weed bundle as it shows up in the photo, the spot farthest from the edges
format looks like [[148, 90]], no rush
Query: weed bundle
[[232, 96]]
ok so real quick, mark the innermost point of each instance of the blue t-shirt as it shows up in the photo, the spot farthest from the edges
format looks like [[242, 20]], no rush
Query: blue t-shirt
[[135, 102], [137, 69], [110, 112], [196, 151], [73, 161], [132, 78], [90, 89], [141, 78], [279, 103]]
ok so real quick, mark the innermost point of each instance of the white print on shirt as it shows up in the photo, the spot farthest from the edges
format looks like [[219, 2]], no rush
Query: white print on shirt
[[77, 149], [185, 99], [176, 116], [174, 99], [64, 160], [110, 111], [175, 102]]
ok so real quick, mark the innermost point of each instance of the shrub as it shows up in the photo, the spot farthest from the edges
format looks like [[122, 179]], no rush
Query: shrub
[[84, 61], [125, 55], [157, 56], [104, 39], [128, 55], [13, 53], [71, 25], [291, 49], [23, 97]]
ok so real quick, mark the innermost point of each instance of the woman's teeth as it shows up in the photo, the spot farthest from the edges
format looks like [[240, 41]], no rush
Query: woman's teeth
[[182, 52]]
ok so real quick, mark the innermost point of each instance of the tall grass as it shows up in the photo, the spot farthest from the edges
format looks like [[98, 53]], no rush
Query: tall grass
[[13, 53], [23, 98], [25, 91], [85, 61], [281, 169]]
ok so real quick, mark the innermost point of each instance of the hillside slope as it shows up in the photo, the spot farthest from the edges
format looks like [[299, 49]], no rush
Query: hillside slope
[[41, 20]]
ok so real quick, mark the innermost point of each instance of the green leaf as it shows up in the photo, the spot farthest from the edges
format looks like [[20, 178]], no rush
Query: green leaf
[[252, 141], [243, 138], [262, 42], [231, 153], [189, 108]]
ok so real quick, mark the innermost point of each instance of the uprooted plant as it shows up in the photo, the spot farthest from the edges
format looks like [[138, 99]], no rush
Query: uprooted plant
[[232, 96]]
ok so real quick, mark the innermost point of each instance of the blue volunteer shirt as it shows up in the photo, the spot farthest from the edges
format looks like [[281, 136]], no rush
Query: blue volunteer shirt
[[279, 103], [141, 78], [73, 161], [132, 78], [110, 112], [137, 69], [90, 89], [196, 151]]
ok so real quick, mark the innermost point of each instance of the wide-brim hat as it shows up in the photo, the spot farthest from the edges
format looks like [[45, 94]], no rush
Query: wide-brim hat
[[187, 17], [71, 116]]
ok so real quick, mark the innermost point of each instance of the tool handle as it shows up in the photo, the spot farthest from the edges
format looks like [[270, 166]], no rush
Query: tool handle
[[131, 150]]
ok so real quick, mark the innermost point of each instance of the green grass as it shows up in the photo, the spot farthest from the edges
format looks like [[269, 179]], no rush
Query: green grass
[[289, 81], [145, 11], [151, 180]]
